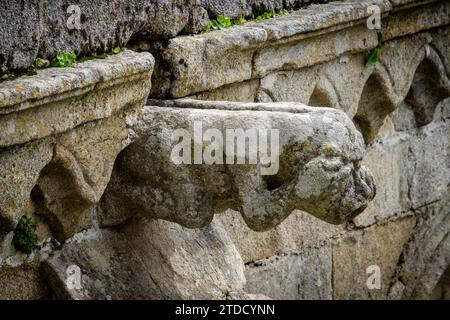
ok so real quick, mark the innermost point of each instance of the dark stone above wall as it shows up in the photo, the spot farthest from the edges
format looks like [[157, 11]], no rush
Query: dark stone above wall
[[247, 8], [41, 28]]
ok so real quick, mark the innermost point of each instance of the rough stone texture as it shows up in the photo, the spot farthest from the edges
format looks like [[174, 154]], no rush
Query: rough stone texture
[[71, 168], [19, 34], [387, 163], [299, 232], [46, 27], [59, 143], [19, 172], [73, 182], [282, 86], [20, 273], [442, 289], [430, 152], [240, 92], [318, 170], [294, 276], [441, 43], [226, 58], [302, 39], [109, 84], [247, 8], [389, 83], [32, 28], [23, 283], [379, 245], [425, 258], [163, 261]]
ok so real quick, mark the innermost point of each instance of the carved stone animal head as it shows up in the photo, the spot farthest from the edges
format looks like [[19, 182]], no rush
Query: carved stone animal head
[[315, 164]]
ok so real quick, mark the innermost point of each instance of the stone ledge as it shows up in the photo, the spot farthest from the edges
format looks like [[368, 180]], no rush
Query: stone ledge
[[56, 99], [193, 64], [315, 18], [60, 133], [55, 84]]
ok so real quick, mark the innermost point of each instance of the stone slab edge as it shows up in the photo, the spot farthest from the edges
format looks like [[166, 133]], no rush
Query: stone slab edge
[[54, 84]]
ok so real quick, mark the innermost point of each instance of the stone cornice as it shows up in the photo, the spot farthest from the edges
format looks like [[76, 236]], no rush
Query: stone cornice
[[58, 99], [193, 64]]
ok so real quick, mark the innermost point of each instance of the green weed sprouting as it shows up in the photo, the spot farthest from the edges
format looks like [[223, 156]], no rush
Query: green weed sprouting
[[116, 50], [24, 238], [220, 23], [64, 59], [38, 64], [223, 21], [272, 14], [239, 21], [374, 54]]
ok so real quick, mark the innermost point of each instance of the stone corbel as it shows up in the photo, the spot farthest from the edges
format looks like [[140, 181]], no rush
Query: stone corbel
[[319, 165]]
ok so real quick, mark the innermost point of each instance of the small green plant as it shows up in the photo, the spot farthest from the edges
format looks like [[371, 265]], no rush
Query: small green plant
[[24, 238], [267, 15], [223, 21], [271, 14], [239, 21], [220, 23], [116, 50], [64, 59], [38, 64], [374, 54]]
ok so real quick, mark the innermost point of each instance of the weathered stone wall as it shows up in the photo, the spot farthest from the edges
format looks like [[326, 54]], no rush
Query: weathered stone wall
[[81, 154], [41, 28], [401, 106]]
